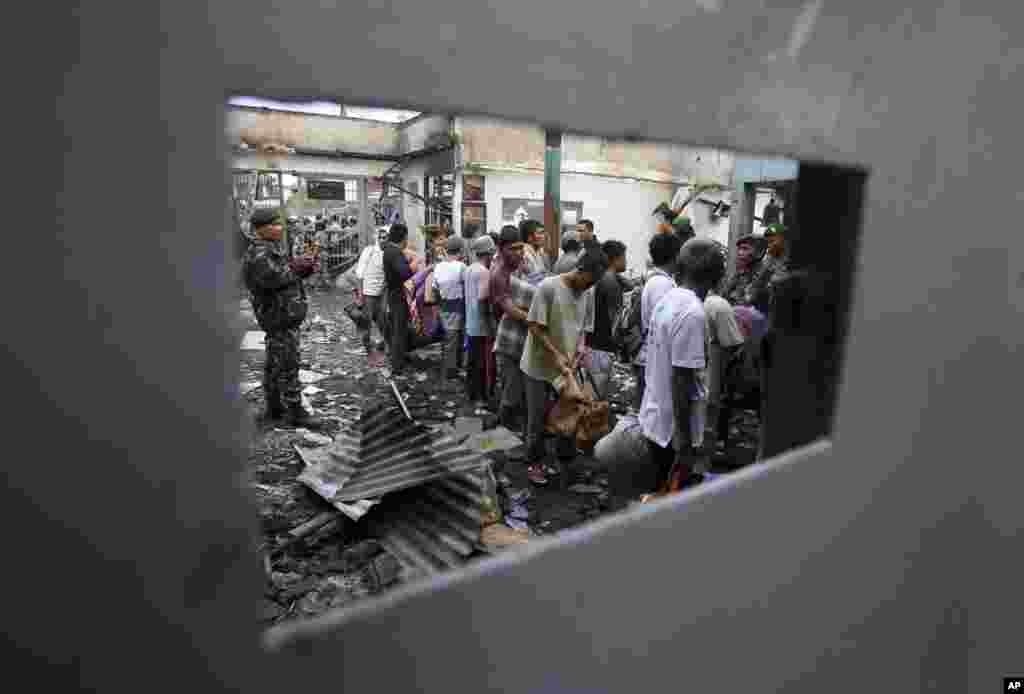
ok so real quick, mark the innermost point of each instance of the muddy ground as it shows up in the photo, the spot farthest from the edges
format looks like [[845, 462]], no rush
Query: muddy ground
[[338, 563]]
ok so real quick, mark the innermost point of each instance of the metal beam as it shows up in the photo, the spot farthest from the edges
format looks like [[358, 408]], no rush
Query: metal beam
[[364, 212], [552, 192]]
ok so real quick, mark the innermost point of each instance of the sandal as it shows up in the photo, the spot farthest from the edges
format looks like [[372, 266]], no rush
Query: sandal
[[535, 473]]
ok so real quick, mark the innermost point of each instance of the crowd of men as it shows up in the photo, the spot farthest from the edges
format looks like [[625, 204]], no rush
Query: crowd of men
[[523, 324]]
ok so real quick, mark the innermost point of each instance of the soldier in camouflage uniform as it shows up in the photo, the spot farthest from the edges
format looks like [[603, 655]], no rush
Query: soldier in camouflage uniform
[[747, 267], [774, 268], [279, 301]]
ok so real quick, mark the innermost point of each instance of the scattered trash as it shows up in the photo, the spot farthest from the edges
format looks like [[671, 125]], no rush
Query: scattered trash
[[497, 439], [498, 535], [247, 388], [519, 496], [586, 489], [468, 426], [311, 390], [314, 439], [357, 509], [449, 404], [254, 339], [310, 376], [517, 524], [518, 512], [481, 413], [421, 377]]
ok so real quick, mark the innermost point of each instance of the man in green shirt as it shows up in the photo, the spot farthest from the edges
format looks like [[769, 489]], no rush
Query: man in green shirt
[[561, 313]]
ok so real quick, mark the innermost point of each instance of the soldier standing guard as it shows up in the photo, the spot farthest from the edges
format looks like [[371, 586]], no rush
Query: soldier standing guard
[[279, 302]]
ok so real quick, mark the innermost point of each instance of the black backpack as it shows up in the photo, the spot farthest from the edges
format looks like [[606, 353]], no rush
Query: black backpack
[[626, 329]]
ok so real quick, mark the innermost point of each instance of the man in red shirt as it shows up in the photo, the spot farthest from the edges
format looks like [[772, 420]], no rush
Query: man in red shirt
[[511, 333]]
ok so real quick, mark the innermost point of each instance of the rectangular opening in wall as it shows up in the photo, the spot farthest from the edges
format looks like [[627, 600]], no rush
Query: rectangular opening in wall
[[476, 333]]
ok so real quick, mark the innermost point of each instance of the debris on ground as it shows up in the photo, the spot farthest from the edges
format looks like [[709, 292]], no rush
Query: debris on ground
[[313, 439], [586, 489], [378, 537], [254, 340]]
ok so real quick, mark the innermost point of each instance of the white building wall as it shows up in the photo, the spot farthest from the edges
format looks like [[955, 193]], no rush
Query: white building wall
[[620, 208]]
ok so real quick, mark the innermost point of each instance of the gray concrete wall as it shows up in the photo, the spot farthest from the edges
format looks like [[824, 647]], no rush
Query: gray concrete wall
[[888, 560]]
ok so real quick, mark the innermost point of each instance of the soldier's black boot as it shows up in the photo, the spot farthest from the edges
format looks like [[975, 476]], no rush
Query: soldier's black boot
[[274, 410], [297, 416]]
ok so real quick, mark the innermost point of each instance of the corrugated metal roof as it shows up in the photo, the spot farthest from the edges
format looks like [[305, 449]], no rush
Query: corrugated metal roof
[[437, 526], [439, 492], [382, 453]]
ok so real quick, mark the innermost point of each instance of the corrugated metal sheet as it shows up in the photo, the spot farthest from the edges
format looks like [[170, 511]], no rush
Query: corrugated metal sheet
[[435, 527], [439, 493], [384, 452]]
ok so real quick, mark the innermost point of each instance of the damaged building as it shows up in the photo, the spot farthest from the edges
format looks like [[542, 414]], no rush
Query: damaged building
[[476, 174]]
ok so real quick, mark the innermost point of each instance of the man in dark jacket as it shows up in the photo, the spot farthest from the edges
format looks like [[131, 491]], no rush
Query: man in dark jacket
[[607, 304], [279, 301], [396, 273]]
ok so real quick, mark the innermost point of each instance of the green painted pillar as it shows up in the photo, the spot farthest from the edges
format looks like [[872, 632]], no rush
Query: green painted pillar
[[552, 192]]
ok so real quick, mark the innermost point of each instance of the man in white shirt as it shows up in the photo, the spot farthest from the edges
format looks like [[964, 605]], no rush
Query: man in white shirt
[[664, 251], [675, 355], [449, 285], [370, 273]]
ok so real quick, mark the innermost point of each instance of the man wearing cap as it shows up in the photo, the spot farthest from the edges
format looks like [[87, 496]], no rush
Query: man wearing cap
[[482, 371], [747, 267], [774, 268], [279, 302], [449, 285], [570, 253]]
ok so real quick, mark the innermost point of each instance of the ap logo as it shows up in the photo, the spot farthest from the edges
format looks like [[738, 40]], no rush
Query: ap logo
[[1014, 684]]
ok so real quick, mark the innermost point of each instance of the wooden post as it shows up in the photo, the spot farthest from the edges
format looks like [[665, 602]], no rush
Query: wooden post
[[552, 193]]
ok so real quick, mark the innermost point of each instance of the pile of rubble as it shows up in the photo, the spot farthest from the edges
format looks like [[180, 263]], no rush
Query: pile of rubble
[[427, 493]]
